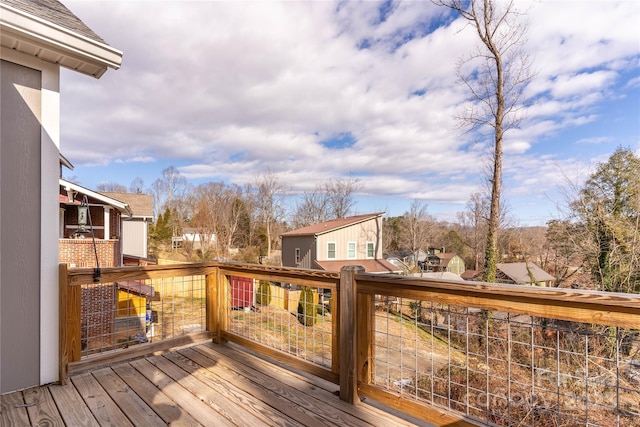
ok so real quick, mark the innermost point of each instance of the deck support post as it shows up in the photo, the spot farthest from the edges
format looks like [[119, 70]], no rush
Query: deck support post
[[70, 306], [212, 301], [349, 334], [222, 305]]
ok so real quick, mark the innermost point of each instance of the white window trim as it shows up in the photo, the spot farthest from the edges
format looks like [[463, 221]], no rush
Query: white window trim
[[335, 250], [297, 252], [355, 250], [373, 245]]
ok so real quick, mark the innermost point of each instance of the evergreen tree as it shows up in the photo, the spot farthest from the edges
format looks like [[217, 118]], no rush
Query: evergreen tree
[[608, 210], [307, 307]]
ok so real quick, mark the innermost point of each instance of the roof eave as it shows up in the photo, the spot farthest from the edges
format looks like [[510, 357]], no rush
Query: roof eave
[[122, 207], [35, 36], [335, 228]]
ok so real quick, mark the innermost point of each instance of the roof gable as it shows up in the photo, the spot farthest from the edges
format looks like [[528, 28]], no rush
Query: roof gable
[[332, 225], [141, 205]]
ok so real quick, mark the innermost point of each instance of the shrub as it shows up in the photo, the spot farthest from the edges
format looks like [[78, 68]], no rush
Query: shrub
[[307, 307], [263, 296]]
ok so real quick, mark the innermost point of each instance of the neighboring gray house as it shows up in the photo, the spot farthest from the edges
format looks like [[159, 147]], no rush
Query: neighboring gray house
[[416, 258], [36, 39], [330, 245], [523, 273], [135, 228]]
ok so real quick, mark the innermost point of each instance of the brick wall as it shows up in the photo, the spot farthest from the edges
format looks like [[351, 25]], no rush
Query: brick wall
[[79, 253], [98, 316], [98, 301]]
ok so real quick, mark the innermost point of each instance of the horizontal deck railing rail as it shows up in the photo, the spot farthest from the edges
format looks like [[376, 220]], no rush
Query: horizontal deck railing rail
[[445, 351]]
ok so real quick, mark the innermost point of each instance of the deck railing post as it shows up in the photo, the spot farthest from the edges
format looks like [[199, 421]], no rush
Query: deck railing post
[[70, 306], [211, 284], [349, 334], [222, 305], [365, 337]]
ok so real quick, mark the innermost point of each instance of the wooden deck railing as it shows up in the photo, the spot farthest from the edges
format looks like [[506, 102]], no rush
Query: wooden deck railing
[[353, 358]]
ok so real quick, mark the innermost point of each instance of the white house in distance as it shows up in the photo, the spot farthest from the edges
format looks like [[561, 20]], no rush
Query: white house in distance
[[36, 39], [331, 245]]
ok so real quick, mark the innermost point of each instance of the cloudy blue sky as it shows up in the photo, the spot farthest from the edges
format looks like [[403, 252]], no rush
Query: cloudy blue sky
[[313, 90]]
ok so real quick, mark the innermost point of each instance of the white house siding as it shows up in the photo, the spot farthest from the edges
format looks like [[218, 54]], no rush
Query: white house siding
[[134, 237], [367, 231]]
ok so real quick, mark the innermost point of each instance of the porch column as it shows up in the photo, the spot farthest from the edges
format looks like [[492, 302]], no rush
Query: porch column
[[107, 222]]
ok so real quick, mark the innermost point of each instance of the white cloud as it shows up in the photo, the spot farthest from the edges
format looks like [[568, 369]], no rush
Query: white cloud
[[595, 140], [581, 83], [228, 90]]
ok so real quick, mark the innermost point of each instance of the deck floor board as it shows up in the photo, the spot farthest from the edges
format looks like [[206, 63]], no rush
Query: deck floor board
[[200, 385]]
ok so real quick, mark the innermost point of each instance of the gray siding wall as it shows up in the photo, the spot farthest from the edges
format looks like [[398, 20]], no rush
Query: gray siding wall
[[307, 251], [20, 198]]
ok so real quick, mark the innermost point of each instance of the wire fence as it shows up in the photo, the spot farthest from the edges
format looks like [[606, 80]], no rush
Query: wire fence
[[506, 369], [126, 313], [287, 317]]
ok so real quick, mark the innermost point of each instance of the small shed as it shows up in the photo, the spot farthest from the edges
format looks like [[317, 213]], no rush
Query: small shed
[[241, 292], [133, 313]]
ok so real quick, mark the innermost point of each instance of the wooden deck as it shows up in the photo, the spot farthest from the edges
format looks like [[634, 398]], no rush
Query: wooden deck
[[205, 384]]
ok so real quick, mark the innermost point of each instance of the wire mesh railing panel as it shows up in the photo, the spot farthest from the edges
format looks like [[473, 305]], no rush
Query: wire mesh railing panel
[[287, 317], [507, 369], [122, 314]]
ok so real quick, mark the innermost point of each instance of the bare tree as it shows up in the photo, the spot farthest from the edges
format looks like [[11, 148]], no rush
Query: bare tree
[[216, 211], [417, 223], [333, 199], [499, 72], [563, 258], [169, 193], [168, 189], [233, 214], [137, 186], [311, 209], [111, 187], [474, 226], [268, 205], [341, 197]]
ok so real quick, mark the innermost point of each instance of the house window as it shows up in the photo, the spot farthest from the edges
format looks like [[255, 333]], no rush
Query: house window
[[351, 250], [371, 250], [331, 250], [297, 255]]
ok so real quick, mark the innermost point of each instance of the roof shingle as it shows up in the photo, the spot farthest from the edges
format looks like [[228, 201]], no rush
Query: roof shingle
[[519, 272], [334, 224], [140, 204], [56, 13]]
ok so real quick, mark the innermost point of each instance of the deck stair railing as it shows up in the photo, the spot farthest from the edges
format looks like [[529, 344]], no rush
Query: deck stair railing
[[448, 352]]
